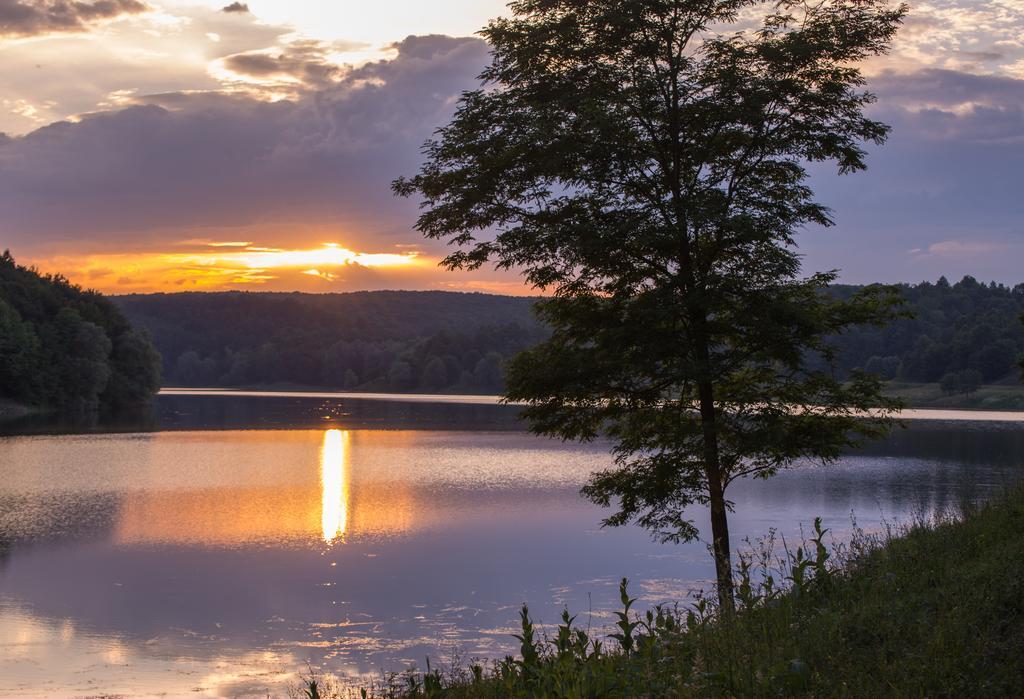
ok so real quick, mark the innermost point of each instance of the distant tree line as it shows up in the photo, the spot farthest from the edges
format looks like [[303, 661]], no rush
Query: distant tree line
[[63, 347], [444, 362], [401, 341], [962, 335]]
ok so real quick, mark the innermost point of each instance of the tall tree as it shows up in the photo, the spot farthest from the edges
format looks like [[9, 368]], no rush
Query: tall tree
[[644, 162]]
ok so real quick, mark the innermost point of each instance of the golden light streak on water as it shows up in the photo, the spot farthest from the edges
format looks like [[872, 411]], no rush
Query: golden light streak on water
[[334, 482]]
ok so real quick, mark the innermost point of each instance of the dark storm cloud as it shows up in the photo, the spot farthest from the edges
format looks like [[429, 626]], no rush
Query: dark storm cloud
[[215, 160], [29, 18], [235, 7]]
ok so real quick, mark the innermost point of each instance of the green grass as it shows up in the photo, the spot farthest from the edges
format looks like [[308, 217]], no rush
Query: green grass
[[934, 610], [929, 395]]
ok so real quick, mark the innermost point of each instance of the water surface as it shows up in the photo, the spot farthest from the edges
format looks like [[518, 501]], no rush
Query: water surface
[[188, 553]]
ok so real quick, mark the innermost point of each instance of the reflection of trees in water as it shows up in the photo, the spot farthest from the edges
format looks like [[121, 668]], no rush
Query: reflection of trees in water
[[140, 419], [955, 465], [249, 412], [911, 486], [965, 442], [989, 443], [925, 468], [212, 412]]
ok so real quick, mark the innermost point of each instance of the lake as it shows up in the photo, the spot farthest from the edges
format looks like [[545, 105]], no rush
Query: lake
[[223, 544]]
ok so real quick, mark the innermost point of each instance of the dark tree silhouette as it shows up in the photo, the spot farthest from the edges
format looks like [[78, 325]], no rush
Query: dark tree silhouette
[[644, 162], [64, 347]]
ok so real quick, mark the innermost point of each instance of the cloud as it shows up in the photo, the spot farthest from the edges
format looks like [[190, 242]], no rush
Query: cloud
[[235, 7], [963, 248], [973, 36], [950, 106], [34, 17], [55, 77], [946, 88], [306, 63], [183, 164], [212, 267]]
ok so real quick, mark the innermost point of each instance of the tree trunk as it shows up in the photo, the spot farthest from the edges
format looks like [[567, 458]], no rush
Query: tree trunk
[[712, 459], [716, 496], [720, 547]]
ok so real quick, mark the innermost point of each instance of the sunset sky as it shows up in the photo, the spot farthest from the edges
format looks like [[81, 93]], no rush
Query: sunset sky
[[158, 145]]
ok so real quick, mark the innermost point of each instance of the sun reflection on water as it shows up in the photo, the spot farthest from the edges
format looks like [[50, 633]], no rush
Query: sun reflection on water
[[334, 480], [275, 488]]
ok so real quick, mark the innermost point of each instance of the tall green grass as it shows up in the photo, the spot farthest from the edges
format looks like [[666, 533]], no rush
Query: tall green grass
[[933, 609]]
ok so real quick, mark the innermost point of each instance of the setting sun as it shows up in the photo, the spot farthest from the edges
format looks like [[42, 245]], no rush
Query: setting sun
[[330, 255]]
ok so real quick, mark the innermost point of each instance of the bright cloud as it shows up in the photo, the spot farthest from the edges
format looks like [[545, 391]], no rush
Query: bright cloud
[[973, 36], [80, 54]]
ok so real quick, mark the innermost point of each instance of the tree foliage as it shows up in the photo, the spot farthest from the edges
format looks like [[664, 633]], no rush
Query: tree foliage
[[963, 382], [645, 163], [65, 347]]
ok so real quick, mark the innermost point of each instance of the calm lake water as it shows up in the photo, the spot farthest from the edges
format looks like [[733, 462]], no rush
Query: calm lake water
[[221, 545]]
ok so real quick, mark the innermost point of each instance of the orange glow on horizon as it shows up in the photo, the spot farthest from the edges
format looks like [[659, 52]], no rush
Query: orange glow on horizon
[[216, 265], [229, 265]]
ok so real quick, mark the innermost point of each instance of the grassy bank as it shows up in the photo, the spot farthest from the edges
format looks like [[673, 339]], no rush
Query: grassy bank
[[929, 395], [934, 610]]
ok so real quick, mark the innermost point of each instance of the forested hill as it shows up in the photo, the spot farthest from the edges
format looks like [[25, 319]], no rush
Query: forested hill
[[442, 341], [62, 347], [955, 328], [379, 340]]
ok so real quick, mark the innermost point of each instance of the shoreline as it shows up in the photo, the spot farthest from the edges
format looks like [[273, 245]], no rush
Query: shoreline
[[914, 413]]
